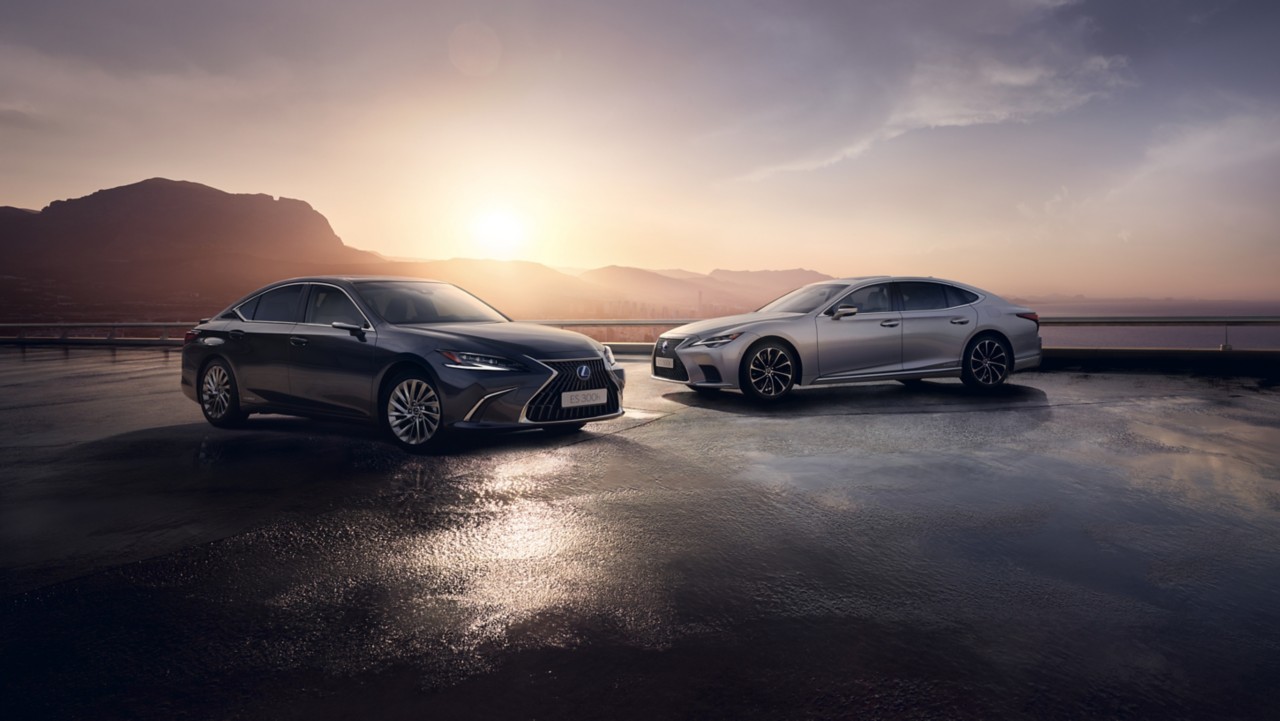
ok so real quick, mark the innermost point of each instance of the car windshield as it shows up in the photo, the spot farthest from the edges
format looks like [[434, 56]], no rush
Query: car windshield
[[805, 300], [402, 302]]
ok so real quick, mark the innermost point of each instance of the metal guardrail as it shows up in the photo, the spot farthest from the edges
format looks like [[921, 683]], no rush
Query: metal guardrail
[[163, 333]]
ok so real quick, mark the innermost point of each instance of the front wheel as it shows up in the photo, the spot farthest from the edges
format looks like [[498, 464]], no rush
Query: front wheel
[[987, 363], [768, 372], [412, 412], [219, 395]]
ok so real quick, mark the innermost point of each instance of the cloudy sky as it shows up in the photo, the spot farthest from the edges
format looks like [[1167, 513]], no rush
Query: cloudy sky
[[1106, 147]]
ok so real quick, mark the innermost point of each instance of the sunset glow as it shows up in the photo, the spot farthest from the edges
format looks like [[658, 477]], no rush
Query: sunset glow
[[499, 233], [1029, 146]]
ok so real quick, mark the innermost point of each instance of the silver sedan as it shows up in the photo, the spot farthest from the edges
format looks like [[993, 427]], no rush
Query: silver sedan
[[854, 330]]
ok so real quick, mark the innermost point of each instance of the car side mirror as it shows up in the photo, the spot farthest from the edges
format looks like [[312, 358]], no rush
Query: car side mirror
[[352, 328], [844, 311]]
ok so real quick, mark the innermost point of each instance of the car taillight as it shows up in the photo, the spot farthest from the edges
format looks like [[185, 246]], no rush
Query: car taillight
[[190, 336], [1033, 317]]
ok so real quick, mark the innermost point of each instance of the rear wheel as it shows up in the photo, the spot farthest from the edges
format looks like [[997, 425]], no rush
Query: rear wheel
[[768, 372], [987, 363], [219, 395], [412, 411]]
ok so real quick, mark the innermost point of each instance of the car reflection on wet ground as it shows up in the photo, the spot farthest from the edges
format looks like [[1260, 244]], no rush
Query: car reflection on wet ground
[[1077, 546]]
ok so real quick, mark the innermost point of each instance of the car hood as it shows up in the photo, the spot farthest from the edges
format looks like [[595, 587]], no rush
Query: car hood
[[536, 341], [712, 326]]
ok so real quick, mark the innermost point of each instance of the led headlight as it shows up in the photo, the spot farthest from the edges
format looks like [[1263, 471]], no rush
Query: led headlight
[[608, 355], [716, 341], [479, 361]]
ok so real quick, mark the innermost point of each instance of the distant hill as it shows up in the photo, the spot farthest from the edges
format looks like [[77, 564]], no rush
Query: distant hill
[[161, 218], [175, 250]]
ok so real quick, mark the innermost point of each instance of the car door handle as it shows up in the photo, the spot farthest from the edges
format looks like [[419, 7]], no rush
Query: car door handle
[[889, 323], [297, 341], [237, 334], [959, 321]]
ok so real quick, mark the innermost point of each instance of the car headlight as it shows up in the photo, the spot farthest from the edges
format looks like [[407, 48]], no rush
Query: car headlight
[[716, 341], [479, 361], [608, 355]]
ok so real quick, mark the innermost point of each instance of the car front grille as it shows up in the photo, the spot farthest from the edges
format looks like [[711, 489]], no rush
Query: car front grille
[[677, 372], [545, 406]]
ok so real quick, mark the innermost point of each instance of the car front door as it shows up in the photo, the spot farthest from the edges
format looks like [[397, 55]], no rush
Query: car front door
[[935, 326], [331, 369], [865, 343]]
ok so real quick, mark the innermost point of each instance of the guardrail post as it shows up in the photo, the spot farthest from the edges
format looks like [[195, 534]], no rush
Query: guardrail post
[[1226, 337], [111, 334]]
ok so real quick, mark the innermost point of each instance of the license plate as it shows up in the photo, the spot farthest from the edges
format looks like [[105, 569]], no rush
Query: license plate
[[664, 362], [573, 399]]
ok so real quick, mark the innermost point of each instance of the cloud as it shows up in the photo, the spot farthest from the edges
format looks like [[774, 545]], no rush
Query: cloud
[[21, 118], [997, 61]]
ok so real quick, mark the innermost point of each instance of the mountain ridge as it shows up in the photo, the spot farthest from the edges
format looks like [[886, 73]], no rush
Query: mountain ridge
[[162, 249]]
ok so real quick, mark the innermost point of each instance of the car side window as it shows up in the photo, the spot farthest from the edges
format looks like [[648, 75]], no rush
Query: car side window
[[280, 305], [328, 304], [247, 308], [959, 296], [871, 299], [923, 296]]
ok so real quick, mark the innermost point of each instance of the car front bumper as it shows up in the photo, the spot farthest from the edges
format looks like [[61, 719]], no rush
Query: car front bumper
[[699, 366]]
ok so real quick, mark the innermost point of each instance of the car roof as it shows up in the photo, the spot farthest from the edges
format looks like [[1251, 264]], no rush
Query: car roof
[[351, 279], [894, 278]]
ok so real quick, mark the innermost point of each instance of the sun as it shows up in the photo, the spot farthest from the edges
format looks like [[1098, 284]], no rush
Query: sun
[[498, 233]]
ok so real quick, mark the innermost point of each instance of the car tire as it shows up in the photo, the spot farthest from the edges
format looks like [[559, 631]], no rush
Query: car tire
[[412, 412], [219, 395], [768, 372], [986, 363]]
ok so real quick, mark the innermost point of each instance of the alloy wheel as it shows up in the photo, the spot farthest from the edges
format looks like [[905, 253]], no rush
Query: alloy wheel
[[413, 411], [215, 393], [770, 372], [989, 362]]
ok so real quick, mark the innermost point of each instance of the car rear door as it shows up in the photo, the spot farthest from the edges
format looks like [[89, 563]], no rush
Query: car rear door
[[865, 343], [258, 343], [935, 326]]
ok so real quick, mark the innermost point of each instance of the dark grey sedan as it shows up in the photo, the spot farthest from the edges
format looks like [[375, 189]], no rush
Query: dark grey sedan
[[414, 356]]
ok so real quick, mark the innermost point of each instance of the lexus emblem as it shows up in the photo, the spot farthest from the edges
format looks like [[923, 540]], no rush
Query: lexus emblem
[[584, 372]]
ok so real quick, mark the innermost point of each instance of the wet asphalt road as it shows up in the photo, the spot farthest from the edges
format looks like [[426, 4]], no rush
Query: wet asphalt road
[[1081, 546]]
